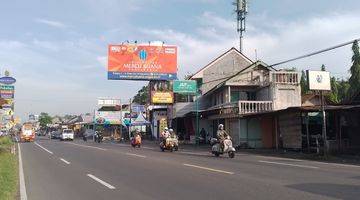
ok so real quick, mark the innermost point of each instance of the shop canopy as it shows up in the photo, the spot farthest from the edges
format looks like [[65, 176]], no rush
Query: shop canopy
[[140, 121]]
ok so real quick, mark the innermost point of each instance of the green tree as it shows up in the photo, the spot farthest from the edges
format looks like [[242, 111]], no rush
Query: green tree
[[142, 97], [323, 68], [45, 119], [354, 80], [304, 83]]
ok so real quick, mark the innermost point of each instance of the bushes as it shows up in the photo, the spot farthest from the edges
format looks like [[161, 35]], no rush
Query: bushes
[[8, 170]]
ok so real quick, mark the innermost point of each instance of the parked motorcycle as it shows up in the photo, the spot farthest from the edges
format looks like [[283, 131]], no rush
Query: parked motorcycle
[[171, 144], [136, 141], [228, 147], [98, 137]]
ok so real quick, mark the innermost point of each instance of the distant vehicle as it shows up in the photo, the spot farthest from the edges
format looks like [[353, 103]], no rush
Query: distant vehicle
[[55, 134], [67, 134], [27, 133]]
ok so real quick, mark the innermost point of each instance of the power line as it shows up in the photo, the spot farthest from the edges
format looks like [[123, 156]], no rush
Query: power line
[[316, 52], [293, 59]]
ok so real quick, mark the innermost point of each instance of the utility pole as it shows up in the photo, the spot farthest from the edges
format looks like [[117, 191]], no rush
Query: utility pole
[[241, 11]]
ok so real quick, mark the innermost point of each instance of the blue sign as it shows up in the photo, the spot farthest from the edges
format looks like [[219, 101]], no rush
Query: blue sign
[[7, 80], [138, 108]]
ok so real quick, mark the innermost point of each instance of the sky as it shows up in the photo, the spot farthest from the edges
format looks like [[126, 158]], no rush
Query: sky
[[57, 50]]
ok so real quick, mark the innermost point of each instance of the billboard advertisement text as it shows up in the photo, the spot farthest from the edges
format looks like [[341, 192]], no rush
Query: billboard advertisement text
[[142, 62]]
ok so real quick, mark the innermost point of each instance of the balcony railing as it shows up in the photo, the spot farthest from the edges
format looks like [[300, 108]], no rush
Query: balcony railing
[[282, 77], [246, 107]]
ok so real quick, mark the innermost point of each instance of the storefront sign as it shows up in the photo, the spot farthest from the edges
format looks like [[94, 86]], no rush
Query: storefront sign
[[185, 87], [108, 117], [7, 80], [162, 97]]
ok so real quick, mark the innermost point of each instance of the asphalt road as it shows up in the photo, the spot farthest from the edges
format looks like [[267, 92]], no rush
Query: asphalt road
[[78, 170]]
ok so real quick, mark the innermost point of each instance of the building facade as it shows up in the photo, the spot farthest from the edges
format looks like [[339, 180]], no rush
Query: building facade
[[238, 93]]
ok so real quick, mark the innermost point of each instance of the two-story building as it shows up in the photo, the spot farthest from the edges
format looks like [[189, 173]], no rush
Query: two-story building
[[241, 94]]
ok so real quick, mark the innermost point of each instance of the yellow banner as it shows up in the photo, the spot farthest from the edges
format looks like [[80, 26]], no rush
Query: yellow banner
[[162, 97]]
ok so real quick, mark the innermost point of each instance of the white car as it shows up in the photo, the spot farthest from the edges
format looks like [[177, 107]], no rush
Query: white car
[[67, 134]]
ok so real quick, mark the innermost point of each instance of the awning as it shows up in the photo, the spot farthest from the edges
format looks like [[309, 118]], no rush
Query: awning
[[140, 121]]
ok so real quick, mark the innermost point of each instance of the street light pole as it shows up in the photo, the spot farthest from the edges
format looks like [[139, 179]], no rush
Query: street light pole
[[197, 116]]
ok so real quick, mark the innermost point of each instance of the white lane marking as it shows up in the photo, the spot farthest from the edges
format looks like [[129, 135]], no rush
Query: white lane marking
[[288, 164], [148, 148], [209, 169], [137, 155], [23, 195], [80, 145], [43, 148], [279, 158], [101, 182], [65, 161], [192, 153]]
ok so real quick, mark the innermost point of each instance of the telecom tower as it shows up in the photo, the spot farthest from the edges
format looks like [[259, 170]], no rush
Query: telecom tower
[[241, 11]]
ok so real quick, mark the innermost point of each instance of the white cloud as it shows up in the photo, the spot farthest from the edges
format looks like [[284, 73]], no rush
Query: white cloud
[[285, 40], [52, 23]]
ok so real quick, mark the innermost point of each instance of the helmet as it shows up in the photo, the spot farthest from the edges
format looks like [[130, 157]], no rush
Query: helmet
[[166, 128], [221, 126], [171, 130]]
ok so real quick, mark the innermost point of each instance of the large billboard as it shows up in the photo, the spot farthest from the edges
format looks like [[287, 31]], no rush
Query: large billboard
[[142, 62]]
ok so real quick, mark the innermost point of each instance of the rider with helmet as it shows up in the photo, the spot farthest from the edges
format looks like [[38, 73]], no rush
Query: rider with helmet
[[221, 135], [164, 135]]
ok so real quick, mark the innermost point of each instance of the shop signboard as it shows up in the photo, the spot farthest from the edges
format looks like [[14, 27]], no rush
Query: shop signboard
[[108, 102], [108, 117], [138, 108], [7, 80], [142, 62], [184, 87], [162, 97], [7, 87]]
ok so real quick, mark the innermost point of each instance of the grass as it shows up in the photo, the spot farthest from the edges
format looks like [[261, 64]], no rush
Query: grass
[[8, 170]]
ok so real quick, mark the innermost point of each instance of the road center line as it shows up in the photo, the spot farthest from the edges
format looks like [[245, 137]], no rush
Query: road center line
[[23, 195], [288, 164], [137, 155], [65, 161], [43, 148], [101, 182], [209, 169], [80, 145]]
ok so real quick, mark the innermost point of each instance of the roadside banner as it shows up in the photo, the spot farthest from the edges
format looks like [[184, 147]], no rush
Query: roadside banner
[[142, 62]]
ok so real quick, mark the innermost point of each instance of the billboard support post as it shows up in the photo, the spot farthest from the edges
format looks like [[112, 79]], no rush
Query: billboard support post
[[320, 81], [326, 147]]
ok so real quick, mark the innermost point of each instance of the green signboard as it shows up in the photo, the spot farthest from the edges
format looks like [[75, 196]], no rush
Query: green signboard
[[7, 87], [185, 87]]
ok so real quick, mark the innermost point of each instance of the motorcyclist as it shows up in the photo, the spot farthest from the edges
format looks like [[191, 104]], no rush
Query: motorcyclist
[[164, 135], [221, 135]]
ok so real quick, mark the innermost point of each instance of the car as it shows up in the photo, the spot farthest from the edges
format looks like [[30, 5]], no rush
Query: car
[[55, 134], [67, 134]]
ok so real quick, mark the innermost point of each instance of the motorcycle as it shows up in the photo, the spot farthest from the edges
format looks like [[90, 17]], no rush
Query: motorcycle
[[84, 138], [171, 144], [136, 141], [98, 137], [228, 147]]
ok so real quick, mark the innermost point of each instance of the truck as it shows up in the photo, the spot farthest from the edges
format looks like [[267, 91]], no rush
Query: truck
[[27, 133]]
